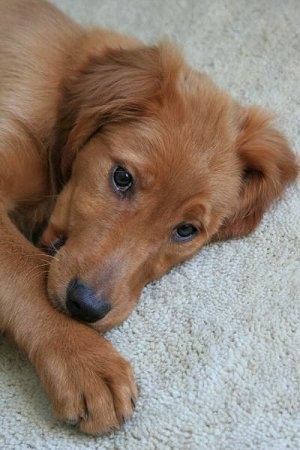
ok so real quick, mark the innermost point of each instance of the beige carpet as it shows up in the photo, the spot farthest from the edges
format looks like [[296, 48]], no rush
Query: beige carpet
[[215, 344]]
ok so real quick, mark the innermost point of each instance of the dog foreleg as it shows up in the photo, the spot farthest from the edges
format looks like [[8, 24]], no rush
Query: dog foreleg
[[88, 382]]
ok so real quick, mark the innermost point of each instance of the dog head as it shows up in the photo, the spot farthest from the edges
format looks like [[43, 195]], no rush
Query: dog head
[[156, 162]]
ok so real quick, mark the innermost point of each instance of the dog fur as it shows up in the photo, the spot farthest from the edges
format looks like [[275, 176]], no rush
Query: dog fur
[[74, 104]]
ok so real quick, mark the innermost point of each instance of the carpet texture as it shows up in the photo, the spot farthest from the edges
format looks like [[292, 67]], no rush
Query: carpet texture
[[215, 344]]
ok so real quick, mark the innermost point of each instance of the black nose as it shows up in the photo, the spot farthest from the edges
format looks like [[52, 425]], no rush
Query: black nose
[[83, 304]]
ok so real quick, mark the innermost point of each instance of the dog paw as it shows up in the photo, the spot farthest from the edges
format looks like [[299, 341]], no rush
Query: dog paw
[[88, 382]]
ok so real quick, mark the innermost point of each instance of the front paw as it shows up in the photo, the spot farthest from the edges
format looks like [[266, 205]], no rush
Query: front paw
[[88, 382]]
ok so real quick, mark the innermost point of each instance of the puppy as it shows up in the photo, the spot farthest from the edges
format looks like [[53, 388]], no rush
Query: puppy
[[120, 161]]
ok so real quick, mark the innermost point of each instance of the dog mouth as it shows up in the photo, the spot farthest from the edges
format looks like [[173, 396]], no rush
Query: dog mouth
[[80, 303], [79, 300], [73, 295]]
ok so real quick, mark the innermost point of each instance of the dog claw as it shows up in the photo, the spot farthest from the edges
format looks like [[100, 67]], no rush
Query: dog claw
[[85, 414], [133, 402], [72, 422]]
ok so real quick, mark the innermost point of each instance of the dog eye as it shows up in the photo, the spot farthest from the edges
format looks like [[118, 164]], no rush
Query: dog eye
[[185, 231], [122, 179]]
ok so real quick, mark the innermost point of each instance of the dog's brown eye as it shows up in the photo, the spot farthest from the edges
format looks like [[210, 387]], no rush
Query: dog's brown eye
[[185, 231], [122, 179]]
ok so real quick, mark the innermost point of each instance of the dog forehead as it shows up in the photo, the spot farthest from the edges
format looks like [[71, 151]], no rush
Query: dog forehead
[[176, 148], [158, 147], [186, 125], [186, 145], [166, 148]]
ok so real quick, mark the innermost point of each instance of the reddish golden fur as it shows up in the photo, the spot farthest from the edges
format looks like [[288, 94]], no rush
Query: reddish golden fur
[[74, 103]]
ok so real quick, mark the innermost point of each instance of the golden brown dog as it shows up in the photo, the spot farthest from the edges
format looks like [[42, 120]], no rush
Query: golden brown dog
[[121, 161]]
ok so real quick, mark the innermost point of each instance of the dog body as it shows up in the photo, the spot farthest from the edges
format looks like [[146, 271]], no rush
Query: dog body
[[122, 161]]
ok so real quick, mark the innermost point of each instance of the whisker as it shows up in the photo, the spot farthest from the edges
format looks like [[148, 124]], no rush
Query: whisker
[[37, 199], [36, 271]]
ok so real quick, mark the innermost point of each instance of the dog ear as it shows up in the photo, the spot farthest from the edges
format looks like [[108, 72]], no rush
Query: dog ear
[[268, 165], [121, 85]]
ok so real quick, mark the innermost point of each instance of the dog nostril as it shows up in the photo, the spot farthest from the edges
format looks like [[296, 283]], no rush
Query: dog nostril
[[83, 304], [75, 305]]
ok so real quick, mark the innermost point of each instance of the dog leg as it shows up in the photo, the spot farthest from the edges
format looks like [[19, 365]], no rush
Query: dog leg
[[88, 382]]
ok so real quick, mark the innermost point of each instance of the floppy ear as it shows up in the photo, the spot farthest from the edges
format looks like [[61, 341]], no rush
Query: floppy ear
[[120, 85], [268, 166]]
